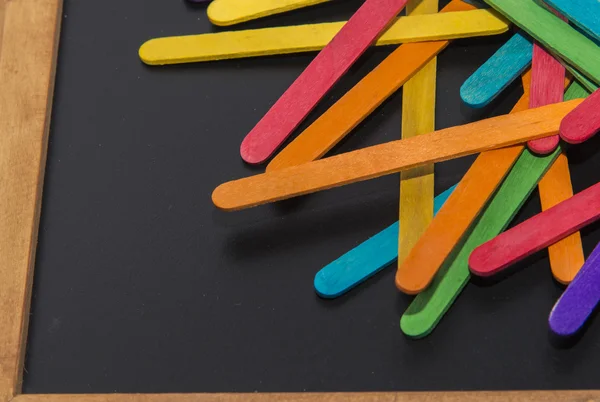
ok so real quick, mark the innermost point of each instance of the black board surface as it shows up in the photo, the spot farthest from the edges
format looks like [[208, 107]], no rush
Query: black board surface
[[141, 285]]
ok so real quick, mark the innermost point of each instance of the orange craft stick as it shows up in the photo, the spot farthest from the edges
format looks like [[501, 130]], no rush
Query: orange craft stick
[[458, 213], [566, 256], [341, 118], [392, 157]]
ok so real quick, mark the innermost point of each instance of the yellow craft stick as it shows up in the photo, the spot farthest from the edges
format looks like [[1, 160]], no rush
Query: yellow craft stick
[[230, 12], [418, 117], [314, 37], [392, 157]]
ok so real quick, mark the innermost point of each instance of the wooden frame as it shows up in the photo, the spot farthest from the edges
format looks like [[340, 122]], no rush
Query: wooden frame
[[29, 43]]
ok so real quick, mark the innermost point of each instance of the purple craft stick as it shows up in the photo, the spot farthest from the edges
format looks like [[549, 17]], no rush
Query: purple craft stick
[[579, 300]]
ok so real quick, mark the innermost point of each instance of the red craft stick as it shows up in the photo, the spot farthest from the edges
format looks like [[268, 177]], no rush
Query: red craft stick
[[583, 122], [537, 233], [320, 75], [547, 86]]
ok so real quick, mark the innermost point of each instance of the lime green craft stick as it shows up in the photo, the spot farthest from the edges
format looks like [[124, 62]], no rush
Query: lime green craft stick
[[556, 35], [428, 307]]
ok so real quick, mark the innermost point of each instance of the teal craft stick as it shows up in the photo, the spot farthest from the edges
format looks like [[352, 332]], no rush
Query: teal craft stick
[[583, 13], [365, 260], [557, 36], [429, 306], [498, 72]]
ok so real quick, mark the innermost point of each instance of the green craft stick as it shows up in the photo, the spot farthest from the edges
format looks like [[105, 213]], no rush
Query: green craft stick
[[587, 84], [556, 35], [577, 90], [428, 307]]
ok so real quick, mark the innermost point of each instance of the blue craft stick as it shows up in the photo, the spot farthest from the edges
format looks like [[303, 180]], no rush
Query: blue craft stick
[[365, 260], [583, 13], [507, 64]]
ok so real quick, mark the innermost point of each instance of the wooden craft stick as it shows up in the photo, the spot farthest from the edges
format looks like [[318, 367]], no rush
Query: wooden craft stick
[[583, 122], [365, 260], [339, 120], [556, 35], [537, 233], [580, 299], [418, 269], [587, 84], [230, 12], [418, 117], [372, 18], [392, 157], [498, 72], [428, 308], [566, 256], [314, 37], [547, 87], [583, 13]]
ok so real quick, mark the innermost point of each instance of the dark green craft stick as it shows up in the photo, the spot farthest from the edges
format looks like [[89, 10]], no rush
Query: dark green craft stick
[[583, 81], [556, 35], [429, 307]]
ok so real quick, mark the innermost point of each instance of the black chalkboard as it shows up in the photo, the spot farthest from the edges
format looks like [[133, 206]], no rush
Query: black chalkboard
[[141, 285]]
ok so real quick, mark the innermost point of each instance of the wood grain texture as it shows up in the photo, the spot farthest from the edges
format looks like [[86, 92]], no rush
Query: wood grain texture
[[556, 35], [487, 396], [547, 87], [392, 157], [418, 117], [365, 260], [498, 72], [314, 37], [340, 119], [417, 269], [317, 79], [583, 13], [27, 62], [587, 84], [580, 299], [230, 12], [355, 36], [566, 256], [583, 122], [537, 233], [428, 308]]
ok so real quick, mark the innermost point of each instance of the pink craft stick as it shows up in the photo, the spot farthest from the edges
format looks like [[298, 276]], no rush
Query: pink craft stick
[[320, 75], [583, 122], [547, 87], [537, 233]]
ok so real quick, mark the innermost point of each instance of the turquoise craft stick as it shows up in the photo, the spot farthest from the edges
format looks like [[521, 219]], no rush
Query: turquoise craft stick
[[583, 13], [557, 36], [498, 72], [365, 260]]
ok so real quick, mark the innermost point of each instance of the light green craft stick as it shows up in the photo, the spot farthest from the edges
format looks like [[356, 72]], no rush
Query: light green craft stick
[[429, 307], [556, 35]]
